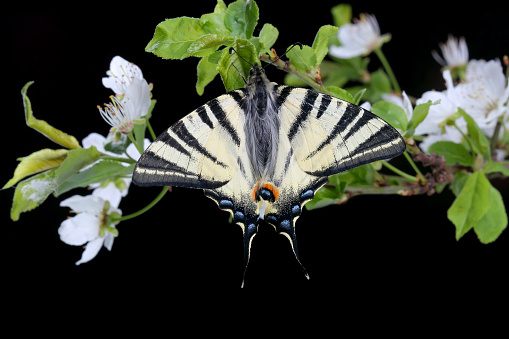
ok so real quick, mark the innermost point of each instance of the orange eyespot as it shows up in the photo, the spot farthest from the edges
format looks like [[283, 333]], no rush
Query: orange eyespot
[[270, 187]]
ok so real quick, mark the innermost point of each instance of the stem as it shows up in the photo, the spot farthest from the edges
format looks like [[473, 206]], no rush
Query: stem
[[127, 160], [400, 172], [151, 131], [422, 179], [146, 208], [289, 68], [388, 69], [130, 135], [494, 139], [464, 137], [387, 190]]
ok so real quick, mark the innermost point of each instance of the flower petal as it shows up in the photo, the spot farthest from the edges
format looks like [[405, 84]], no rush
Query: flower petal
[[89, 204], [91, 250], [108, 241], [94, 139], [111, 193], [347, 52], [120, 74], [79, 229], [132, 151]]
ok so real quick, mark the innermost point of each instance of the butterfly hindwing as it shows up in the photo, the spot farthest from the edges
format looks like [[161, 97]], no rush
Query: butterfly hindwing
[[199, 151]]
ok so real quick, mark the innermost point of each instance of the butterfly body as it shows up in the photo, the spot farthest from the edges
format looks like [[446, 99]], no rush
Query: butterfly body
[[261, 152]]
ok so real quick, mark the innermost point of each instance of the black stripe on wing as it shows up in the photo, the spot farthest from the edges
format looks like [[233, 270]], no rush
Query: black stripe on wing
[[181, 131], [306, 107], [220, 115]]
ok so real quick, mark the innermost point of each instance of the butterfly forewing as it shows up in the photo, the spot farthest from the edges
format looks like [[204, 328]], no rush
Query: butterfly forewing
[[199, 151], [329, 135]]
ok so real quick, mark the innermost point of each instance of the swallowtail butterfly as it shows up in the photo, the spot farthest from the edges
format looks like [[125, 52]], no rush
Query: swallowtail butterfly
[[262, 152]]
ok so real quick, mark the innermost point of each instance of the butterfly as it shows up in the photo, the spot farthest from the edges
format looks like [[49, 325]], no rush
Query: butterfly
[[261, 152]]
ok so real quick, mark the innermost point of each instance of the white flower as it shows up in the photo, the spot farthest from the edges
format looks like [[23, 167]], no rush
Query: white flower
[[124, 111], [132, 99], [435, 126], [359, 38], [483, 94], [438, 114], [93, 224], [121, 74], [455, 53]]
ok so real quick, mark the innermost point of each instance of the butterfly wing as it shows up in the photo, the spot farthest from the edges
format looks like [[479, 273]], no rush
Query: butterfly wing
[[206, 149], [199, 151], [330, 135], [320, 136]]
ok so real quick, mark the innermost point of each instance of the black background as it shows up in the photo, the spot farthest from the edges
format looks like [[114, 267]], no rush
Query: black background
[[371, 246]]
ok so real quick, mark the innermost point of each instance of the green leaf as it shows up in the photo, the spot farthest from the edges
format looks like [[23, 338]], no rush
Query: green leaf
[[233, 66], [182, 37], [460, 178], [454, 153], [480, 142], [496, 167], [32, 192], [359, 176], [55, 135], [75, 161], [358, 96], [241, 18], [391, 113], [207, 71], [208, 44], [321, 42], [220, 7], [37, 162], [420, 113], [471, 204], [326, 196], [341, 93], [268, 36], [494, 221], [378, 85], [213, 23], [304, 59], [99, 172], [341, 14]]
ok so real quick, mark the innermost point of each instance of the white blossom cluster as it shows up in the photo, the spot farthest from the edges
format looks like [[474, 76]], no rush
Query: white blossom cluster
[[479, 87], [93, 226]]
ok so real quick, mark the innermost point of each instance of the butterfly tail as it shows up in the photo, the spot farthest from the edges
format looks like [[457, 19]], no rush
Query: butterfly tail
[[287, 228], [249, 233]]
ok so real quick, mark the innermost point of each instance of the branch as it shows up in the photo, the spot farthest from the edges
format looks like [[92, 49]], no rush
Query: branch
[[289, 68]]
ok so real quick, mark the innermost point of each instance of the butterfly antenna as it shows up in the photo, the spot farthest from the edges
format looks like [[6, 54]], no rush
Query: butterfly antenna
[[240, 56], [288, 50]]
